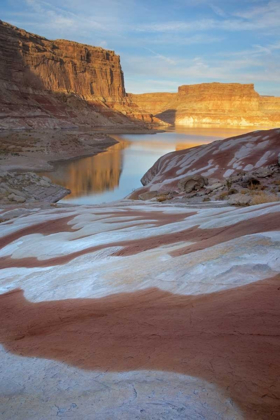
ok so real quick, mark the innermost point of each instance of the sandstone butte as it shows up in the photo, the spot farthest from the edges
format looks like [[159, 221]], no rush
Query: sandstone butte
[[61, 83]]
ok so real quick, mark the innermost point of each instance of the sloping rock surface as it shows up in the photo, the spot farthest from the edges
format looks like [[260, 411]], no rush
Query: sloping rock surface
[[17, 188], [144, 311], [218, 160]]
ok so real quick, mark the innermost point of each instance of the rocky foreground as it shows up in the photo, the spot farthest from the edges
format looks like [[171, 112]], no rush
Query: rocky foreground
[[140, 311], [29, 188]]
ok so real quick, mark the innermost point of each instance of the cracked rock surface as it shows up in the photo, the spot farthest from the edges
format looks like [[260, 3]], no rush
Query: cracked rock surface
[[18, 188]]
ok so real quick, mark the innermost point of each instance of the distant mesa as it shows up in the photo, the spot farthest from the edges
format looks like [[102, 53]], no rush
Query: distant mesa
[[231, 104]]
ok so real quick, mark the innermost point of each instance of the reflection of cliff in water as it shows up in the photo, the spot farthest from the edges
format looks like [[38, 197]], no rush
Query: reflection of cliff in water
[[114, 174], [93, 174]]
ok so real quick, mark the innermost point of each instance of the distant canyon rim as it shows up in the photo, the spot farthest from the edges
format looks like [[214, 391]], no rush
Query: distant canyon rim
[[65, 84]]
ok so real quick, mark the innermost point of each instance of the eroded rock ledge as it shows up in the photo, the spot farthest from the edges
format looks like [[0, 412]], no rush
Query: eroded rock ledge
[[142, 302]]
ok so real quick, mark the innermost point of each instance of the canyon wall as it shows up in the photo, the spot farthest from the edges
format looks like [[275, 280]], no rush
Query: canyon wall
[[60, 83], [212, 103], [154, 102], [59, 66], [270, 105]]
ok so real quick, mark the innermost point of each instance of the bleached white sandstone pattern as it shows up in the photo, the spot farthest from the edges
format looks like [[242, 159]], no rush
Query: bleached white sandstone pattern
[[218, 160], [172, 261]]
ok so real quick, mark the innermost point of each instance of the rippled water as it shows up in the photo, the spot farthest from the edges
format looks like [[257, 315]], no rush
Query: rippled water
[[114, 174]]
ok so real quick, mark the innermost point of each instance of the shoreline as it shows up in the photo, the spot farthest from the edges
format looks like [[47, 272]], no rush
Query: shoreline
[[40, 150], [25, 156], [54, 162]]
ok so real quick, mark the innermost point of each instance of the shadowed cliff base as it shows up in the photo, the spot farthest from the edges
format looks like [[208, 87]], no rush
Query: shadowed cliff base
[[168, 116], [230, 338]]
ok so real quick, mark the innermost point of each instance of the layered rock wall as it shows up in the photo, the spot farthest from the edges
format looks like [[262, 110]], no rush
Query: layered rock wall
[[270, 104], [59, 83], [62, 83], [34, 62], [213, 97], [154, 102]]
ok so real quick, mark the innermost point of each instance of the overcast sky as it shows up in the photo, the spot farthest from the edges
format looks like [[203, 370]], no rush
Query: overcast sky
[[167, 43]]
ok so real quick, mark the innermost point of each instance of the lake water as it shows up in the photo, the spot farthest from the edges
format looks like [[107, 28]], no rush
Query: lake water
[[115, 173]]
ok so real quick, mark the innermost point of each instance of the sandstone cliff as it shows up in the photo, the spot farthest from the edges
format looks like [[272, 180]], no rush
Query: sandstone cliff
[[212, 103], [62, 83], [155, 102], [59, 83], [59, 66]]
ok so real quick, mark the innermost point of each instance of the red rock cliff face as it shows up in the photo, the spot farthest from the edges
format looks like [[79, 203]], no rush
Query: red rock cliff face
[[213, 103], [59, 66], [64, 66], [57, 83]]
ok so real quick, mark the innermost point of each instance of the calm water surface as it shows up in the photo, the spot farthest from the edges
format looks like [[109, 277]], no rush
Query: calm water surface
[[114, 174]]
